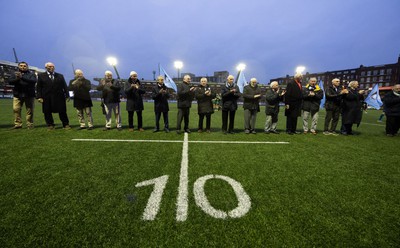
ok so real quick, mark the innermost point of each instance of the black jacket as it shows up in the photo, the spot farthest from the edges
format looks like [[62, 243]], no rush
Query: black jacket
[[24, 86], [391, 104], [229, 99], [204, 102], [81, 89], [249, 102], [311, 103], [293, 98], [272, 100], [333, 98], [352, 107], [185, 96], [160, 98], [134, 100], [110, 93], [53, 92]]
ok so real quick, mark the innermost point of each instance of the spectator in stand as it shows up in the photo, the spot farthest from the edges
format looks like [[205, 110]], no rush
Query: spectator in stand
[[230, 94], [251, 105], [82, 100], [205, 108], [312, 95], [134, 91], [391, 104], [273, 96], [160, 96], [111, 98], [24, 93], [52, 92]]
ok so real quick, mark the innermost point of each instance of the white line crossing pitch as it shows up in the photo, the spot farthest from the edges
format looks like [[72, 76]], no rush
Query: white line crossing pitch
[[182, 202]]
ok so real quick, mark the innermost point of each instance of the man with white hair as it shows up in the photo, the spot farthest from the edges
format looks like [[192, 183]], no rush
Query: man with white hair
[[312, 95], [111, 99], [391, 104], [185, 96], [333, 106], [134, 91], [82, 100], [251, 105], [293, 101], [52, 92], [230, 94], [272, 98]]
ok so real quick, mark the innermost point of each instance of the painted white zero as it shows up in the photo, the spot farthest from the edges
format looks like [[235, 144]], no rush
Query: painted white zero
[[244, 202], [153, 204]]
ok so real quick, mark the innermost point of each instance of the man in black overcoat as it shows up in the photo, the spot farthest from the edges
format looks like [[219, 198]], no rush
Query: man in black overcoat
[[52, 92]]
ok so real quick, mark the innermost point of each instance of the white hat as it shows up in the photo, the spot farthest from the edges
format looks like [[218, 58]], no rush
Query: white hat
[[132, 72], [107, 72]]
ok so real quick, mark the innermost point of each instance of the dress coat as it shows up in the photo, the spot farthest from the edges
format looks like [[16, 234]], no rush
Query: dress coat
[[249, 102], [134, 99], [272, 100], [229, 99], [293, 98], [53, 93], [160, 99], [352, 107], [184, 95], [81, 89], [204, 102]]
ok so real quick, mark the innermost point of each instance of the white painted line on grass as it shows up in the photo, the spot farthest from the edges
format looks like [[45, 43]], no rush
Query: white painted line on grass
[[182, 202], [118, 140], [180, 141], [237, 142]]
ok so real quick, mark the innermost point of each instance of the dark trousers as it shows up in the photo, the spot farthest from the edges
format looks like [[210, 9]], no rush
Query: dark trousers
[[183, 114], [348, 128], [225, 120], [392, 124], [208, 121], [291, 124], [139, 117], [331, 115], [48, 117], [158, 117]]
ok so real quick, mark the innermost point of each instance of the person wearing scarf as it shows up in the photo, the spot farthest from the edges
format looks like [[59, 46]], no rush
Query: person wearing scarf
[[391, 106], [312, 95], [293, 101]]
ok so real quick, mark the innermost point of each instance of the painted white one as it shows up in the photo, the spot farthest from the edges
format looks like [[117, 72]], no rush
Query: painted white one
[[153, 204]]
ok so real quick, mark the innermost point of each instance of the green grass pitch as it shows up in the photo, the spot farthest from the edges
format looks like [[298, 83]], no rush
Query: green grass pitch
[[315, 190]]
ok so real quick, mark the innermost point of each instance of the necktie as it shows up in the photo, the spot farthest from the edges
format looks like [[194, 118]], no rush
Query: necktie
[[52, 77]]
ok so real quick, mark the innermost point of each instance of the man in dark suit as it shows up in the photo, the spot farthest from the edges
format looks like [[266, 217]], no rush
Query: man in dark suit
[[293, 101], [185, 96], [52, 92], [160, 96]]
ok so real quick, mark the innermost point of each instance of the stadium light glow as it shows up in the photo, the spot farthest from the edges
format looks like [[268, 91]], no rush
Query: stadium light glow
[[300, 69], [241, 67]]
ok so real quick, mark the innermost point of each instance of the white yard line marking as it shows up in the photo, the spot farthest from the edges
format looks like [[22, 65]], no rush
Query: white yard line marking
[[182, 202], [237, 142], [180, 141], [117, 140]]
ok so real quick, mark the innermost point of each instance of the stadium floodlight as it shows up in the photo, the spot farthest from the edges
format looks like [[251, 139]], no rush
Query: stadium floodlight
[[241, 67], [178, 65], [300, 69], [113, 62]]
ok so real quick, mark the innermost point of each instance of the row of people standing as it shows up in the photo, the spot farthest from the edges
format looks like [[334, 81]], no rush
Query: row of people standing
[[52, 92]]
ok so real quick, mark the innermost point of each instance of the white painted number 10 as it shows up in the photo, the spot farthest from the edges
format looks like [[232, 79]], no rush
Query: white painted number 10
[[154, 202]]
